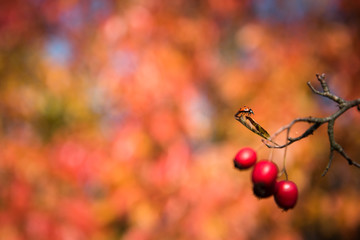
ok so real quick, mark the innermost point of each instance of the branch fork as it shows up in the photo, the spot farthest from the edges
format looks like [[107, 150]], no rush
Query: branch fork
[[343, 104]]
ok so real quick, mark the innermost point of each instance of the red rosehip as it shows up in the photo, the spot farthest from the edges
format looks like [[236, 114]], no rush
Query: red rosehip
[[245, 158], [286, 194], [264, 178]]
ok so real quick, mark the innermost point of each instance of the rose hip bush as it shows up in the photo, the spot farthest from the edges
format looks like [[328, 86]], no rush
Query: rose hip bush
[[264, 178]]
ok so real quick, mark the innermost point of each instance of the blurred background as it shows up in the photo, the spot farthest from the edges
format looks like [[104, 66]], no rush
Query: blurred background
[[116, 117]]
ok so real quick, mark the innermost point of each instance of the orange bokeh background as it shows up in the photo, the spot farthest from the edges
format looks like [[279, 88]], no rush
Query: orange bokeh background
[[117, 118]]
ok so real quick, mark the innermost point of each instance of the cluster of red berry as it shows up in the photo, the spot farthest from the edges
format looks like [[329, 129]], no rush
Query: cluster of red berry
[[264, 179]]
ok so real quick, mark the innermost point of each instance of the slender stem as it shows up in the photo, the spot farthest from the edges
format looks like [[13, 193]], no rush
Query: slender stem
[[285, 151]]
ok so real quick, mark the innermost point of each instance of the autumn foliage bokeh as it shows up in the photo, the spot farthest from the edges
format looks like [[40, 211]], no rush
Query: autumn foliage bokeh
[[117, 117]]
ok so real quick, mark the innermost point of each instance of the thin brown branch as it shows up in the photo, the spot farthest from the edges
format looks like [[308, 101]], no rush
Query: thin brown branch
[[322, 81], [332, 143], [317, 122], [326, 92], [329, 163], [334, 146], [291, 140]]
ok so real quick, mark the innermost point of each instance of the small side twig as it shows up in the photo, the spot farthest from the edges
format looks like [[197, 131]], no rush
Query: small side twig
[[326, 92], [317, 122]]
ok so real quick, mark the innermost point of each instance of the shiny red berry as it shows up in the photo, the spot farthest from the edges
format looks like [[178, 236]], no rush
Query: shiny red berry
[[264, 178], [245, 158], [286, 194]]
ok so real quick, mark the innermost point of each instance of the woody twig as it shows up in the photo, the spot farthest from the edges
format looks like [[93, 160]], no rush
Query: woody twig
[[343, 105]]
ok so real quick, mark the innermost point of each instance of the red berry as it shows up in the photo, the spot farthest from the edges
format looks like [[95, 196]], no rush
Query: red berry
[[264, 178], [286, 194], [245, 158]]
